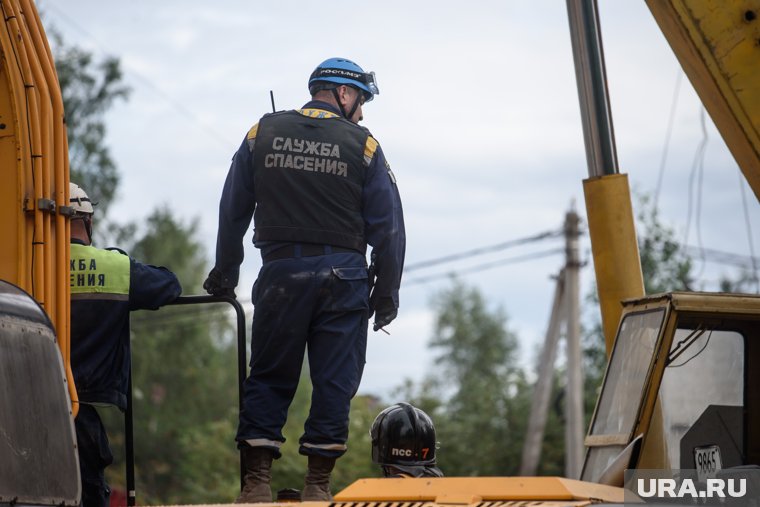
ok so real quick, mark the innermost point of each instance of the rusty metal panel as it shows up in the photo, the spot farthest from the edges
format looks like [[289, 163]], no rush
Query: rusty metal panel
[[38, 458]]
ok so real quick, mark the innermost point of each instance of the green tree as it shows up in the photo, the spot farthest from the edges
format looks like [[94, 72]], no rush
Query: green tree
[[746, 281], [184, 358], [171, 243], [89, 90], [665, 265], [184, 381], [478, 396], [185, 390], [356, 463], [474, 395]]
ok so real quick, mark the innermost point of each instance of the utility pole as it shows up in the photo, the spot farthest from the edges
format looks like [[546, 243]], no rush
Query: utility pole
[[565, 310], [539, 408], [574, 397]]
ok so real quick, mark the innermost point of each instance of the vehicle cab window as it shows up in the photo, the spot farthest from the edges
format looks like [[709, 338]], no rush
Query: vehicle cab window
[[623, 388], [702, 399]]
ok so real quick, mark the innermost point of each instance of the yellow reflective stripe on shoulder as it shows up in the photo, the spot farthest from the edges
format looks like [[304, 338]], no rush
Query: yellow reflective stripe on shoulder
[[370, 147], [93, 270], [252, 133], [317, 113]]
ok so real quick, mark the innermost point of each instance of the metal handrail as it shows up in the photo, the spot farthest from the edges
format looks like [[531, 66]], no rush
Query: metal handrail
[[242, 371]]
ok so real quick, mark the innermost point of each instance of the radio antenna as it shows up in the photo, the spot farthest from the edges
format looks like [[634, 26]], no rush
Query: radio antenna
[[271, 96]]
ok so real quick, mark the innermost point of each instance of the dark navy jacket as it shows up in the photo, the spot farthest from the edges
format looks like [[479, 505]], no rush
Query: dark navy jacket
[[105, 286], [380, 203]]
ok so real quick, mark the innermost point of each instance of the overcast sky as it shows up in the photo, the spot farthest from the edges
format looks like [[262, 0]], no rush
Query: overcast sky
[[478, 116]]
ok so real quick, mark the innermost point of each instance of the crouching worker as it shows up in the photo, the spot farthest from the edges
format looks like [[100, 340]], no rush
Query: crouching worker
[[403, 442]]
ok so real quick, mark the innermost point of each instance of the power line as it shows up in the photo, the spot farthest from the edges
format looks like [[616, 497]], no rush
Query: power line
[[189, 315], [673, 103], [721, 257], [749, 231], [175, 104], [697, 171], [485, 266], [695, 194], [482, 250]]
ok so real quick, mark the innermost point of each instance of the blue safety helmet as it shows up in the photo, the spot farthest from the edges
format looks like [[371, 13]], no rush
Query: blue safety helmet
[[341, 71]]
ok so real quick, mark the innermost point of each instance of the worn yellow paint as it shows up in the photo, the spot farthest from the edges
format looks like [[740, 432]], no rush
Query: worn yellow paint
[[613, 243], [717, 43], [719, 306], [35, 172], [471, 490]]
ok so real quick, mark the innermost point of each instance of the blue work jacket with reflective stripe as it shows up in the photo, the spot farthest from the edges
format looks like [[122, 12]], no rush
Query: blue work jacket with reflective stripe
[[380, 203], [105, 286]]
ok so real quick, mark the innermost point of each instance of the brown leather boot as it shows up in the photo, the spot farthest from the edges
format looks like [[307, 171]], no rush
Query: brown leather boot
[[317, 482], [258, 473]]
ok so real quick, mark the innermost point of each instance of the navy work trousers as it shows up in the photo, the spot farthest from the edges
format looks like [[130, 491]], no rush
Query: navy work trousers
[[94, 456], [319, 303]]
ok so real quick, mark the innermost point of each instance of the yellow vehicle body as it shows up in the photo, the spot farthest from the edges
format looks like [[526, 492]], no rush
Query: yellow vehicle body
[[681, 376], [35, 171], [539, 491], [614, 247], [716, 42]]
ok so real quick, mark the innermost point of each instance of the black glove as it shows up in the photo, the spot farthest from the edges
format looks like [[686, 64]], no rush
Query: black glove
[[213, 285], [385, 311], [383, 318]]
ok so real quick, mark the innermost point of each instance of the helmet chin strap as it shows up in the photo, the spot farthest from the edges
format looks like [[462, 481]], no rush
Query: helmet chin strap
[[88, 229], [87, 222], [340, 105], [337, 101], [354, 108]]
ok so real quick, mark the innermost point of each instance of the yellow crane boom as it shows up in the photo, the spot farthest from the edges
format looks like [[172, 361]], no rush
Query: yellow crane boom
[[717, 43]]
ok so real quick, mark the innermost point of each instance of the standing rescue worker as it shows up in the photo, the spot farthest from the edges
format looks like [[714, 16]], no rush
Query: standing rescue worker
[[403, 442], [105, 286], [319, 190]]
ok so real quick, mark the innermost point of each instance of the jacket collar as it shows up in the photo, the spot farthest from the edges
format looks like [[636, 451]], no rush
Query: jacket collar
[[319, 104]]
